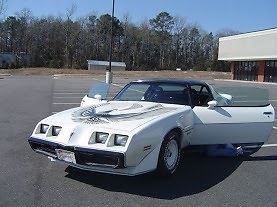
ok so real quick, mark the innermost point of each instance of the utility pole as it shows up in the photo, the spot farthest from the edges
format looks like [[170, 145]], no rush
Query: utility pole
[[109, 76]]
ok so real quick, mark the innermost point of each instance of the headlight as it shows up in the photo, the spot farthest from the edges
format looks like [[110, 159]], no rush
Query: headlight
[[120, 140], [56, 130], [101, 137], [43, 128]]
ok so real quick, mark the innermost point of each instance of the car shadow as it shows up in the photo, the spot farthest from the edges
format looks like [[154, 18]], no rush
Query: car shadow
[[195, 174], [260, 158]]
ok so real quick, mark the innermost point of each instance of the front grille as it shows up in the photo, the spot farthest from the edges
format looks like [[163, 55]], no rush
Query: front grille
[[94, 159], [83, 156]]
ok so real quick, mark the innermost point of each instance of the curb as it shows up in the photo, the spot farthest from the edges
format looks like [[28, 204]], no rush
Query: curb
[[241, 81], [58, 76], [5, 74], [72, 75]]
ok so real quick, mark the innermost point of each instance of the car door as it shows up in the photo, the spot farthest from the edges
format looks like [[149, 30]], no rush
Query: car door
[[230, 124]]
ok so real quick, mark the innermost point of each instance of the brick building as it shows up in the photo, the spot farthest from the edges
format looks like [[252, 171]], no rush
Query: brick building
[[253, 55]]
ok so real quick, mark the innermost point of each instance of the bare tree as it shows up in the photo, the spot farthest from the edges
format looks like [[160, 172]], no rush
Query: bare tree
[[163, 42], [178, 35], [70, 11], [162, 24], [3, 4]]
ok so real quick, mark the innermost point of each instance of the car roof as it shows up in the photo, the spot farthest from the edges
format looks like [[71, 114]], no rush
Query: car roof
[[176, 81]]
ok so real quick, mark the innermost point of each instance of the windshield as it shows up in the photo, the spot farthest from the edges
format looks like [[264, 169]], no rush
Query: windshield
[[99, 89], [155, 92]]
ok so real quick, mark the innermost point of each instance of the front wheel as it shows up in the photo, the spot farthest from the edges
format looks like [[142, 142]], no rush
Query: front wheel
[[169, 154]]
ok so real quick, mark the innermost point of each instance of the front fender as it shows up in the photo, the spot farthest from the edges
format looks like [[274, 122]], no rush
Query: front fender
[[149, 138]]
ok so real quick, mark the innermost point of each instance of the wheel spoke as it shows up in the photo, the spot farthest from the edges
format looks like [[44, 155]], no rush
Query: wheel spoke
[[171, 154]]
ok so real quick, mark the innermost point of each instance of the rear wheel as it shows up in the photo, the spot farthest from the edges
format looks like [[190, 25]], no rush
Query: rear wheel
[[169, 154]]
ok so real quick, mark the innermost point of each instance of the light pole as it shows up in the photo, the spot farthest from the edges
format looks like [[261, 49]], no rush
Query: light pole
[[109, 77]]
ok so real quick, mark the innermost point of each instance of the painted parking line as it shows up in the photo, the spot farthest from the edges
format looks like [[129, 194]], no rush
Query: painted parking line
[[68, 97], [254, 101], [68, 90], [240, 96], [242, 81], [269, 145], [66, 103], [257, 146], [274, 127], [67, 93], [114, 84]]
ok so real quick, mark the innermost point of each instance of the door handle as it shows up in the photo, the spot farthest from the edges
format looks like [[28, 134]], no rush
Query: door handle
[[268, 113]]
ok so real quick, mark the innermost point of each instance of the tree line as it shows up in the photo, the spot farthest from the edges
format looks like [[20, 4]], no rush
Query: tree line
[[163, 42]]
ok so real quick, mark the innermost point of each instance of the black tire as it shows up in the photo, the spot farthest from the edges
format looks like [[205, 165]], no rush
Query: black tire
[[4, 65], [164, 169]]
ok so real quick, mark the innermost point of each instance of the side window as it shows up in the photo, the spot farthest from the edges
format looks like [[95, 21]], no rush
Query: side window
[[200, 95], [175, 94]]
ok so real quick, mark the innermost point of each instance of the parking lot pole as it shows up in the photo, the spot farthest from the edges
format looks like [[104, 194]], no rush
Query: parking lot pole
[[109, 69]]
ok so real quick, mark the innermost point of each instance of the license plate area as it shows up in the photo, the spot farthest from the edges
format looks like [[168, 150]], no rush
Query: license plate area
[[66, 156]]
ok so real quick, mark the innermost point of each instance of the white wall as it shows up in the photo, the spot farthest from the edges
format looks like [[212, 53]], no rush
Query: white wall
[[103, 67], [260, 45]]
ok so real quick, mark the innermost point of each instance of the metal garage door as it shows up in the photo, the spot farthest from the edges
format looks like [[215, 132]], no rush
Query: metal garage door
[[246, 70], [270, 71]]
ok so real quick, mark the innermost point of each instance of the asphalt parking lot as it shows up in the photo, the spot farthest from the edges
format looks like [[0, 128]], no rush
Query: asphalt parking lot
[[29, 179]]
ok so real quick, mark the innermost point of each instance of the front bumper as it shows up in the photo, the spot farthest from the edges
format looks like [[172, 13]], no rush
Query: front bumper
[[85, 158]]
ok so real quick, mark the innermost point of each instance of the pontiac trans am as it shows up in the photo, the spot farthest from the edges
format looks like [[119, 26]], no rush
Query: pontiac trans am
[[145, 126]]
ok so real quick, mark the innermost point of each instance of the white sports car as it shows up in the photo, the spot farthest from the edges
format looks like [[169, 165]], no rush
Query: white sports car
[[144, 127]]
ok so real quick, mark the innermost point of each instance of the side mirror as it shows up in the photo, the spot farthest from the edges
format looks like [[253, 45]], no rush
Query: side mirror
[[212, 104], [98, 97]]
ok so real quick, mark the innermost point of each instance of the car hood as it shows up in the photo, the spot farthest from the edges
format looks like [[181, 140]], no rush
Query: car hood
[[119, 115]]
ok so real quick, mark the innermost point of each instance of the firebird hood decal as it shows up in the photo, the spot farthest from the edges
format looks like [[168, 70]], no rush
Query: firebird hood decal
[[116, 111]]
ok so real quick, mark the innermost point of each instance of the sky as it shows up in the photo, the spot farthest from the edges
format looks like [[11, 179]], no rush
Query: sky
[[211, 15]]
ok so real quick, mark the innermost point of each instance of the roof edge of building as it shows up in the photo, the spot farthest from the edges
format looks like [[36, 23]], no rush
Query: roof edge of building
[[249, 58], [250, 34]]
